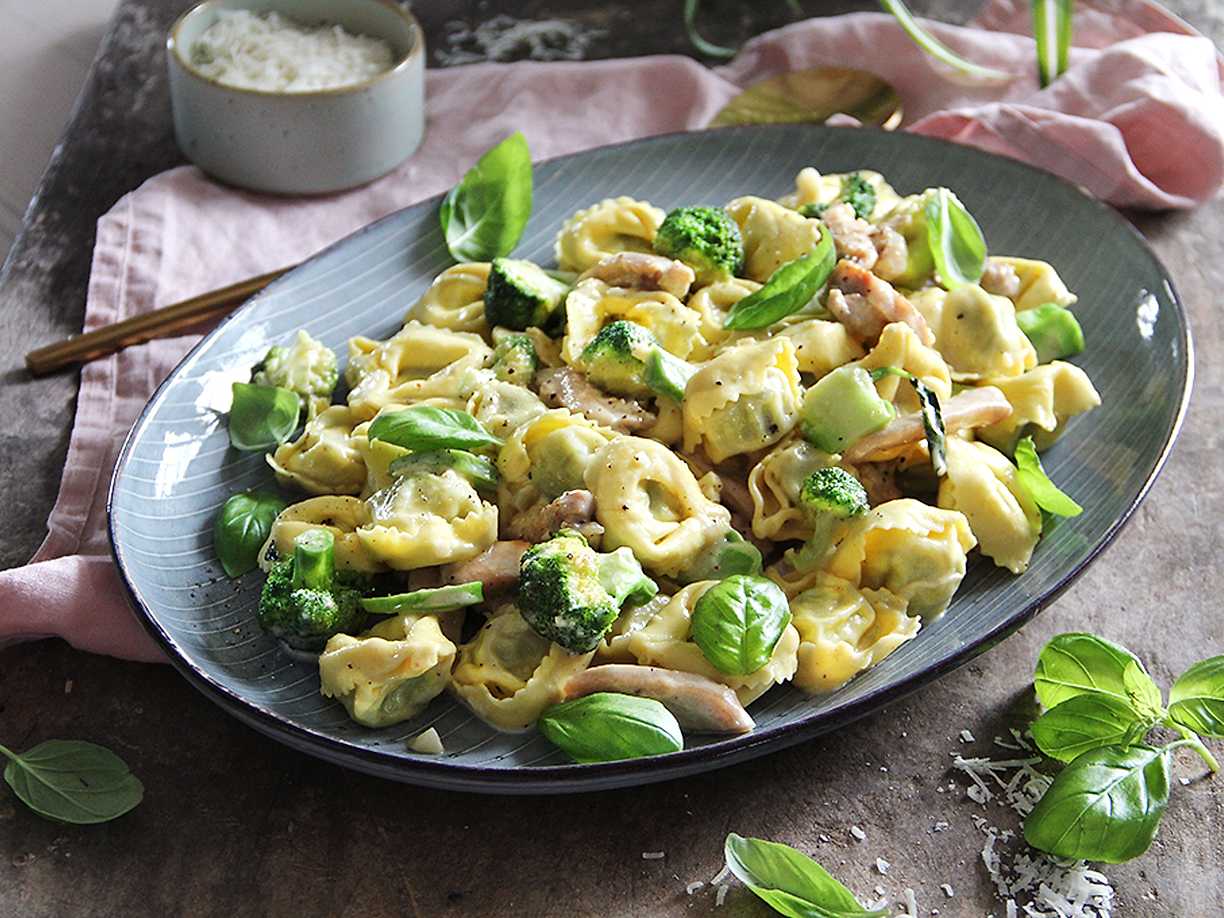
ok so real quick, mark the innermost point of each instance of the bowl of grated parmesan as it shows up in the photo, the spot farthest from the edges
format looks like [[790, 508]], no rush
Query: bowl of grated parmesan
[[297, 96]]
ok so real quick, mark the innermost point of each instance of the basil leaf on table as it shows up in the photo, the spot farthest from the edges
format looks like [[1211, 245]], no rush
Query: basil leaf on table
[[262, 416], [483, 217], [425, 427], [607, 726], [242, 527], [955, 240], [790, 882], [432, 599], [72, 781], [1083, 664], [1088, 722], [788, 289], [1105, 806], [1197, 698], [737, 623], [1033, 480]]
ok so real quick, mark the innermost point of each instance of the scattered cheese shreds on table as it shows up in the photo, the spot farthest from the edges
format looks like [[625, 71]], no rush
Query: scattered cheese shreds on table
[[427, 743], [503, 38]]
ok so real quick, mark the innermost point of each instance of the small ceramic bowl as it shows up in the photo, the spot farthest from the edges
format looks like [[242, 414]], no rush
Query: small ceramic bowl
[[305, 142]]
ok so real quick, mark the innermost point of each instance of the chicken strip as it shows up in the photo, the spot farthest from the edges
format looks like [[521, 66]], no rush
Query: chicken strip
[[979, 407], [572, 510], [851, 235], [699, 704], [497, 567], [564, 387], [641, 271], [864, 304]]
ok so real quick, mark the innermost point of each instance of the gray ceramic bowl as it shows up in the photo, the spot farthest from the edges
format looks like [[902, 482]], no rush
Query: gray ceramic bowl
[[308, 142], [177, 468]]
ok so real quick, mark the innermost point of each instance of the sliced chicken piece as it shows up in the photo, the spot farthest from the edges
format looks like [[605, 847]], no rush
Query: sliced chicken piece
[[894, 252], [979, 407], [851, 235], [497, 567], [564, 387], [643, 272], [879, 480], [698, 703], [1000, 278], [572, 510], [864, 304]]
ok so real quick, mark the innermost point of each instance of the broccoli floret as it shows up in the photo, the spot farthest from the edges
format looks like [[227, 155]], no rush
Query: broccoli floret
[[307, 367], [521, 294], [829, 496], [615, 360], [859, 194], [515, 359], [479, 470], [571, 594], [305, 600], [814, 210], [704, 238]]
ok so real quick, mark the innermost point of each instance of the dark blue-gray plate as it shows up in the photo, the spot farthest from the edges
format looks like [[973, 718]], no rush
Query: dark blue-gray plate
[[176, 468]]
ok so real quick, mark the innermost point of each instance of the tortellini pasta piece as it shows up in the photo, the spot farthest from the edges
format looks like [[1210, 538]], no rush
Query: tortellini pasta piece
[[341, 515], [773, 235], [503, 407], [593, 304], [647, 498], [911, 549], [1039, 283], [813, 188], [844, 630], [390, 673], [509, 675], [774, 485], [981, 483], [900, 346], [418, 363], [427, 519], [323, 460], [745, 399], [1043, 400], [712, 304], [613, 225], [666, 641], [455, 299], [378, 456], [547, 457], [977, 334], [614, 646], [822, 346]]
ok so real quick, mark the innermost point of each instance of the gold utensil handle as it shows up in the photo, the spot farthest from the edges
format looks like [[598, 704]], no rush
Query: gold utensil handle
[[159, 323]]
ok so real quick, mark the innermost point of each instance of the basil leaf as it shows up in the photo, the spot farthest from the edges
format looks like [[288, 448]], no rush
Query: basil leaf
[[790, 882], [1197, 698], [242, 527], [788, 289], [72, 781], [1083, 664], [1144, 694], [435, 599], [1032, 479], [483, 217], [607, 726], [424, 427], [956, 242], [622, 577], [262, 416], [1088, 722], [932, 426], [1105, 806], [738, 622]]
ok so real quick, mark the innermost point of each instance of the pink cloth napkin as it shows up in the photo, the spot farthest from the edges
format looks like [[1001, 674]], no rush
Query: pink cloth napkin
[[1138, 120]]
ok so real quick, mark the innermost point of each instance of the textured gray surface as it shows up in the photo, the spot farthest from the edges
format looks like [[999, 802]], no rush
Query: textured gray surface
[[236, 825]]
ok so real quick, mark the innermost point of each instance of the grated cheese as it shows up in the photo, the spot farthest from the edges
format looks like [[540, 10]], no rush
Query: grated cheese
[[911, 903], [722, 875], [693, 887], [653, 855], [503, 38], [427, 743], [882, 866], [858, 833], [721, 896]]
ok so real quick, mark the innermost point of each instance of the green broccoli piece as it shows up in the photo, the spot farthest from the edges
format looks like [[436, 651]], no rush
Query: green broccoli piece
[[306, 367], [829, 496], [479, 470], [1053, 330], [571, 594], [704, 238], [859, 194], [814, 210], [841, 408], [305, 600], [521, 295], [615, 360], [732, 554], [515, 359]]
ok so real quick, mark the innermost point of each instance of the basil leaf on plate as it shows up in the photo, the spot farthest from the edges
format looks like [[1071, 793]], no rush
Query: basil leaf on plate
[[425, 427], [434, 599], [1105, 806], [241, 528], [608, 726], [483, 217], [72, 781], [262, 416], [932, 426], [788, 289], [1197, 698], [738, 622], [1088, 722], [1033, 480], [790, 882], [955, 240], [1083, 664]]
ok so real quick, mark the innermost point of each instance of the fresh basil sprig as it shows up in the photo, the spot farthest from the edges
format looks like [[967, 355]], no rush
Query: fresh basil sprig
[[737, 623], [434, 599], [483, 217], [788, 289], [1196, 700], [241, 528], [72, 781], [1033, 480], [262, 416], [1088, 722], [932, 416], [607, 726], [426, 427], [956, 241], [790, 882]]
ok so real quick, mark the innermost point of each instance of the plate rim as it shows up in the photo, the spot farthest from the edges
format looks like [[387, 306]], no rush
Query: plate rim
[[441, 773]]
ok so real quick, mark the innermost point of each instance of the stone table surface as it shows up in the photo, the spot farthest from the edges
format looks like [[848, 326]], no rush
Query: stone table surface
[[233, 824]]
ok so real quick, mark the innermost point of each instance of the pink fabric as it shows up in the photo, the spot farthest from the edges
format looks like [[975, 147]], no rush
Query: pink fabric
[[1138, 120]]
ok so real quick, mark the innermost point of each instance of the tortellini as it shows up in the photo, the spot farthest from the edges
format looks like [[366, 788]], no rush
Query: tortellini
[[712, 304], [774, 485], [455, 299], [614, 647], [593, 304], [844, 630], [745, 399], [341, 515], [1043, 400], [977, 334], [899, 346], [822, 346], [773, 235], [909, 548], [509, 675], [666, 641], [547, 457], [813, 188], [1039, 283], [503, 407], [323, 460], [390, 673], [613, 225], [647, 498], [427, 519]]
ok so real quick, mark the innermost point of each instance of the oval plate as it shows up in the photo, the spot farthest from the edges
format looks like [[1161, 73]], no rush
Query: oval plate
[[176, 467]]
